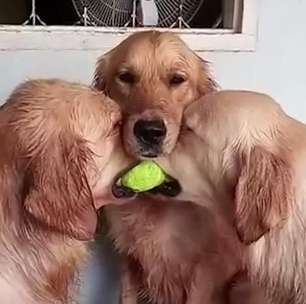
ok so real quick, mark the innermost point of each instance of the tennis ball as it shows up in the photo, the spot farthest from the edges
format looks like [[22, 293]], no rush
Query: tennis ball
[[143, 177]]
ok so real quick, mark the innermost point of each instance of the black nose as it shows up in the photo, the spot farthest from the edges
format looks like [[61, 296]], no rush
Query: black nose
[[150, 132]]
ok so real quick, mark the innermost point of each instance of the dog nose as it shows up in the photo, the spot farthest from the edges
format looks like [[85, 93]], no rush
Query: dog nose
[[150, 132]]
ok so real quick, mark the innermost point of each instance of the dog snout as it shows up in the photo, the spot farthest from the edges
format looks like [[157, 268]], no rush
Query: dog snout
[[150, 135], [150, 132]]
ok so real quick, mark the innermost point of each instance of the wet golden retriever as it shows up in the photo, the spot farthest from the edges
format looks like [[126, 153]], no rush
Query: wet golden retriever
[[152, 75], [239, 148], [60, 150]]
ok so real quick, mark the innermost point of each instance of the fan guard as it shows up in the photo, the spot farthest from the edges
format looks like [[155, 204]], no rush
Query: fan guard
[[119, 13]]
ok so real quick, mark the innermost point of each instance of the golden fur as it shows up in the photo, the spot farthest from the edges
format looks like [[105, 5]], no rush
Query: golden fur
[[60, 150], [239, 148], [175, 252], [153, 75]]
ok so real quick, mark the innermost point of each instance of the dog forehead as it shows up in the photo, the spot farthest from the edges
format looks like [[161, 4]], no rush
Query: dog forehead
[[142, 49]]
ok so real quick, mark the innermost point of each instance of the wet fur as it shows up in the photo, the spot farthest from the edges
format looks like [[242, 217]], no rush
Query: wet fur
[[175, 252], [241, 146], [52, 134]]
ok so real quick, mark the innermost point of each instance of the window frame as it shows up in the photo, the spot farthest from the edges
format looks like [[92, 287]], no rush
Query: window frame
[[242, 37]]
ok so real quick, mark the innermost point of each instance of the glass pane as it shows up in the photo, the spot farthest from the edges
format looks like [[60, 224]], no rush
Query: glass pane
[[120, 13]]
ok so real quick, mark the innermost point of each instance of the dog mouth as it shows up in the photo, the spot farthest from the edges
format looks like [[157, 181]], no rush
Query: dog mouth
[[149, 152], [121, 192], [169, 188]]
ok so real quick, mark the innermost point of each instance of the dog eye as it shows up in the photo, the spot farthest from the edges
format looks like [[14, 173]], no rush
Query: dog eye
[[177, 79], [127, 77]]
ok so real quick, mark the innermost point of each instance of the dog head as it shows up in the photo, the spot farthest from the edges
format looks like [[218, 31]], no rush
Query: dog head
[[237, 146], [61, 152], [153, 76]]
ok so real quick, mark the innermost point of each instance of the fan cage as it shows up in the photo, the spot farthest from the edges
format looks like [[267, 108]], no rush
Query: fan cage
[[122, 13]]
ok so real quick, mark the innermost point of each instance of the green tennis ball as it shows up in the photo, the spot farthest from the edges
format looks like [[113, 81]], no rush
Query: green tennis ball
[[143, 177]]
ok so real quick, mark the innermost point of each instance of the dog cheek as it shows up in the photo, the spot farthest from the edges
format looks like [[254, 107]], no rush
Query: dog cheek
[[120, 93], [128, 137], [186, 94], [173, 129]]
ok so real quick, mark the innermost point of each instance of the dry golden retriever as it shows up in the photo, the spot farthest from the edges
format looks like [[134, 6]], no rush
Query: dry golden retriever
[[240, 148], [153, 76], [60, 150]]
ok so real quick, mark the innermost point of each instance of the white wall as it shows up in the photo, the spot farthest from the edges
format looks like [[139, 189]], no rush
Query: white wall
[[279, 64], [277, 67]]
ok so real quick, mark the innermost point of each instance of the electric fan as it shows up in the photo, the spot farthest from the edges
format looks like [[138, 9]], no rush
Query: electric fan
[[122, 13]]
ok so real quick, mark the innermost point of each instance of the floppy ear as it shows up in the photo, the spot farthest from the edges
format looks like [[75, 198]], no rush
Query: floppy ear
[[56, 190], [99, 81], [206, 84], [263, 193]]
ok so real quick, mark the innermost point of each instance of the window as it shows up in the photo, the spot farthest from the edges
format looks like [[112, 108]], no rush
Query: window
[[206, 25]]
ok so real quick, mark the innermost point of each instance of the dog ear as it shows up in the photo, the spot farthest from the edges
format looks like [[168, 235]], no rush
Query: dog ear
[[99, 81], [56, 190], [206, 84], [263, 193]]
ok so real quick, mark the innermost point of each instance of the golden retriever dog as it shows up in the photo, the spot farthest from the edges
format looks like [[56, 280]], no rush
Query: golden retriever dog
[[153, 76], [175, 252], [60, 150], [240, 148]]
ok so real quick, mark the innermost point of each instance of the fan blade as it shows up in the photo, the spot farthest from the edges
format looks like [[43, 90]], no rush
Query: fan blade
[[147, 12]]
